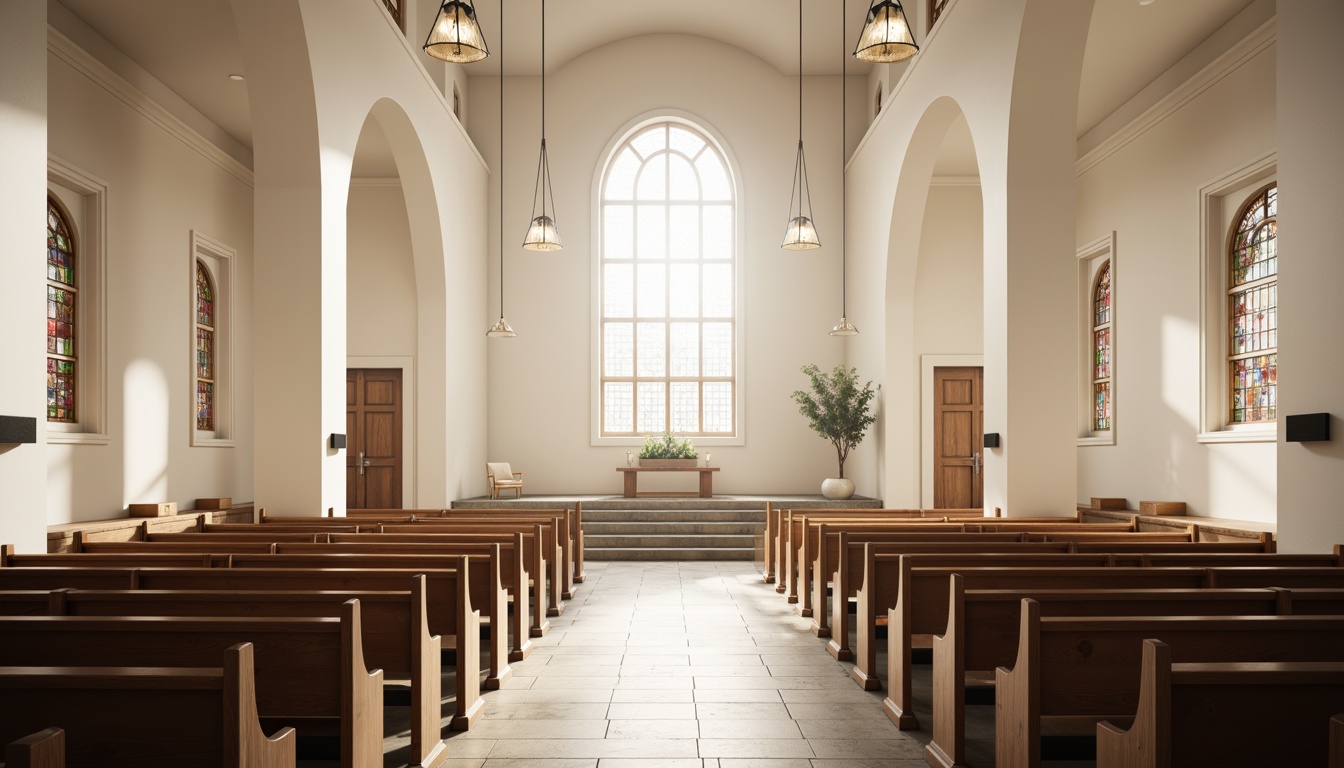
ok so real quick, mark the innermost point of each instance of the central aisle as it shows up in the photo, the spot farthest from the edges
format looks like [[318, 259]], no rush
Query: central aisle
[[681, 665]]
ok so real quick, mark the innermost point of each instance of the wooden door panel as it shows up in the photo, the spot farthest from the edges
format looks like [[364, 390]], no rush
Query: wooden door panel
[[958, 487], [957, 427], [956, 440], [374, 419]]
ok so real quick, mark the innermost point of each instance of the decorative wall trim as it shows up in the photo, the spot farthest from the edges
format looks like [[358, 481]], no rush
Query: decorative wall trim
[[1229, 62], [955, 181], [66, 50]]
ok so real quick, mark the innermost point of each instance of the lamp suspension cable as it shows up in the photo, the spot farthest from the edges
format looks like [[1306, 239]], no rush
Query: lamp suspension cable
[[501, 329], [845, 328], [542, 232], [801, 232]]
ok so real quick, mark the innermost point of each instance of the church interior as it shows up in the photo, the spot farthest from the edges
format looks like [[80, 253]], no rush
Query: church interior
[[298, 261]]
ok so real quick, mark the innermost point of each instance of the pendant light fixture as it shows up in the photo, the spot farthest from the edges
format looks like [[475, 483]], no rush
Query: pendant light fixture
[[801, 233], [845, 328], [542, 233], [455, 35], [501, 329], [886, 35]]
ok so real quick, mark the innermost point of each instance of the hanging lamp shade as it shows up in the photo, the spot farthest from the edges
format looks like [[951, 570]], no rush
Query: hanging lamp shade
[[845, 328], [455, 36], [886, 35], [500, 330], [801, 233], [542, 232]]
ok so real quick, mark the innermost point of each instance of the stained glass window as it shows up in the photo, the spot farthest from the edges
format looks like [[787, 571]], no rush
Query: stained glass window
[[1101, 349], [61, 312], [668, 242], [205, 349], [936, 8], [1253, 310]]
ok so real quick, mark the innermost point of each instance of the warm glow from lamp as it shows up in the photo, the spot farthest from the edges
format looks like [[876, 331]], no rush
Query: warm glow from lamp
[[800, 235], [886, 34], [455, 36], [542, 235]]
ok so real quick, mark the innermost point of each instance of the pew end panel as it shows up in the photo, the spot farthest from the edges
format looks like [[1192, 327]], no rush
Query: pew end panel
[[44, 749], [1017, 699]]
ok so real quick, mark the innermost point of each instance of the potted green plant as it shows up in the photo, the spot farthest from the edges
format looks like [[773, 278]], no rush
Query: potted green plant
[[666, 450], [839, 411]]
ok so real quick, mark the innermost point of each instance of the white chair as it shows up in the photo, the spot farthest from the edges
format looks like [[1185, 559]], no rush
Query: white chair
[[499, 475]]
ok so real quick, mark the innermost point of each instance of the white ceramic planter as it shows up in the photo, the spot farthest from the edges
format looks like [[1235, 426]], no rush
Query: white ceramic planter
[[837, 488]]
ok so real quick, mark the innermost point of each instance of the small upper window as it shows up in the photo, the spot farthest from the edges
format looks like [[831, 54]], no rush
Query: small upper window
[[1101, 350], [61, 303], [1253, 269], [205, 349], [936, 8]]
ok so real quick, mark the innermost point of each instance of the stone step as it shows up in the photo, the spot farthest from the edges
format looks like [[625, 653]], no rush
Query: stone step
[[673, 515], [667, 553], [655, 541], [591, 528]]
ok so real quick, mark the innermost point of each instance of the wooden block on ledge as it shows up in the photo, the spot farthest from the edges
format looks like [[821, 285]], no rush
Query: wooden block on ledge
[[222, 502], [1107, 503], [1162, 507], [161, 509]]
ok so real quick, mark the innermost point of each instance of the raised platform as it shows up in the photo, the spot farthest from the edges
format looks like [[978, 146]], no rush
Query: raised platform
[[724, 527], [718, 501]]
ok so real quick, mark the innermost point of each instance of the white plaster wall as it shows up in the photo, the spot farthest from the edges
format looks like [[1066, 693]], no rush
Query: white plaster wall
[[381, 300], [975, 64], [540, 382], [949, 292], [23, 178], [1148, 192], [1311, 177], [159, 189]]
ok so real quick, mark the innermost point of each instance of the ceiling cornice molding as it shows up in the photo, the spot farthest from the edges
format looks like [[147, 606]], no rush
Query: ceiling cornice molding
[[375, 181], [1234, 59], [955, 181], [100, 74]]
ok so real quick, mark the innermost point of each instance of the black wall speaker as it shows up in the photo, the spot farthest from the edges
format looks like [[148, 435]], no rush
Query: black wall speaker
[[991, 439], [18, 429], [1308, 428], [337, 441]]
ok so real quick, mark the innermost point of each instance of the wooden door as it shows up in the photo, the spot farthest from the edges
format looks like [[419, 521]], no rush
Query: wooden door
[[373, 427], [958, 458]]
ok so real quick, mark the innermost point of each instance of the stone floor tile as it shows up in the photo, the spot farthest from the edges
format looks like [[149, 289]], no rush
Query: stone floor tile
[[654, 695], [894, 748], [538, 729], [652, 729], [735, 696], [595, 748], [722, 748], [650, 711], [748, 729], [742, 711]]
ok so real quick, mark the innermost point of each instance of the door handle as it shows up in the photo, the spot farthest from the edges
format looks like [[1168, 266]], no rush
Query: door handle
[[975, 466], [363, 462]]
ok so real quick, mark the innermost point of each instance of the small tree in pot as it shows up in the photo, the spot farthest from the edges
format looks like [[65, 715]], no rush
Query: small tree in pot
[[839, 411]]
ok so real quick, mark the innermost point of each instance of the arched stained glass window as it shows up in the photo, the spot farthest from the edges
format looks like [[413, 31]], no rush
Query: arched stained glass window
[[1101, 349], [205, 349], [668, 241], [61, 303], [1253, 346]]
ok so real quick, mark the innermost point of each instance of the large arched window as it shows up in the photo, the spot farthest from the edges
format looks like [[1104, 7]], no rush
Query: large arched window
[[205, 349], [667, 321], [1253, 270], [1101, 349], [61, 305]]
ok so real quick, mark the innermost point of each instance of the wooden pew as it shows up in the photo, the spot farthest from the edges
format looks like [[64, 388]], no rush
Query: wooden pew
[[884, 573], [44, 749], [11, 559], [146, 717], [981, 627], [847, 576], [512, 573], [310, 671], [1089, 668], [396, 639], [1185, 712], [821, 548]]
